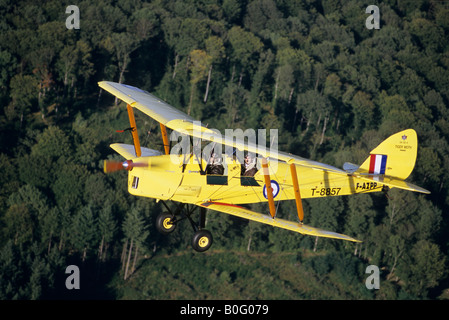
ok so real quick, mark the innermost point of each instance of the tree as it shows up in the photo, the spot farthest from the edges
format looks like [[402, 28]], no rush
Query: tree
[[216, 50], [11, 272], [184, 35], [84, 231], [135, 233], [49, 224], [429, 166], [424, 267], [199, 65], [314, 107], [121, 45], [325, 214], [232, 10], [51, 38], [100, 20], [261, 14], [107, 228], [69, 185], [8, 180], [363, 109], [333, 86], [360, 216], [97, 191], [400, 208], [66, 221], [52, 143], [75, 63], [428, 219], [145, 23], [30, 170], [430, 35], [285, 74], [18, 224], [7, 66], [43, 216], [245, 50], [41, 277], [234, 99], [24, 89]]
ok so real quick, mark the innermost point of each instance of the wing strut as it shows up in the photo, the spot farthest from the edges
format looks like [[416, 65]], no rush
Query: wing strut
[[297, 192], [132, 122], [266, 175], [165, 139]]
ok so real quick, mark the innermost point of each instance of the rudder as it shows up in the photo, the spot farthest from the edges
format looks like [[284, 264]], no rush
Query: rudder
[[394, 157]]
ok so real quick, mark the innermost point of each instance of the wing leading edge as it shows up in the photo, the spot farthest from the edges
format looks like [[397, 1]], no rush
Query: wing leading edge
[[183, 123], [144, 101], [280, 223]]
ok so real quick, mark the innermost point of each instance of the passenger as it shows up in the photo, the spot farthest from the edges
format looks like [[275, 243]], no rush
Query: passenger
[[214, 166], [249, 168]]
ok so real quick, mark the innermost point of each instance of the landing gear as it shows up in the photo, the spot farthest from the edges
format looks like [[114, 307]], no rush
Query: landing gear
[[166, 223], [202, 240]]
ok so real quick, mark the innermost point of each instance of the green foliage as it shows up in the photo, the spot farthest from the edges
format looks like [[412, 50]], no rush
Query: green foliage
[[238, 275], [310, 69]]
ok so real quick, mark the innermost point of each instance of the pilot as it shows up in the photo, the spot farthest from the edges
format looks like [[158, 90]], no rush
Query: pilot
[[249, 168], [214, 166]]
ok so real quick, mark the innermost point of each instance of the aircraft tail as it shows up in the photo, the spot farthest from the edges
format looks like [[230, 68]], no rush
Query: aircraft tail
[[394, 157], [391, 162]]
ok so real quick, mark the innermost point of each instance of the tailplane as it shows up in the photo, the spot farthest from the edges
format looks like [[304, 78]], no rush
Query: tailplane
[[391, 162], [394, 157]]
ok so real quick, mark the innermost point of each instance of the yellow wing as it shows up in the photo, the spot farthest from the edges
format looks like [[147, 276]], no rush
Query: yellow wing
[[183, 123], [280, 223]]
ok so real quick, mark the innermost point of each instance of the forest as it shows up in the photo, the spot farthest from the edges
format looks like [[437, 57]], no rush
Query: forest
[[333, 88]]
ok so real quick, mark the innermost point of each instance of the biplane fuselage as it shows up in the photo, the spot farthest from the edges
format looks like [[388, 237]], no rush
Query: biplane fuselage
[[166, 180]]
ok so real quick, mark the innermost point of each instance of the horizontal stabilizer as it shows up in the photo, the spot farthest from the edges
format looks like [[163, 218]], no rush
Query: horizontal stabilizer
[[280, 223], [127, 151], [392, 182], [350, 167]]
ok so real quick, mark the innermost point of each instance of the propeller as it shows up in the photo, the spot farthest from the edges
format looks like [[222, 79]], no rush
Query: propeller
[[113, 166]]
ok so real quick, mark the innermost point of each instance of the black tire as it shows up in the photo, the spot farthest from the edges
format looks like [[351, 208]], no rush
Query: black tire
[[202, 240], [164, 223]]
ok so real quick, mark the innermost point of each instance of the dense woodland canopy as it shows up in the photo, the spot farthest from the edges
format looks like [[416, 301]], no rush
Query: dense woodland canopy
[[309, 68]]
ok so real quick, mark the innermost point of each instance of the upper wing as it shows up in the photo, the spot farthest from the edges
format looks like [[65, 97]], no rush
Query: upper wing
[[183, 123], [145, 102], [280, 223]]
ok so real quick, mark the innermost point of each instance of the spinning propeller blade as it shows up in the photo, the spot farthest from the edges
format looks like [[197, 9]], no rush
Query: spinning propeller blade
[[113, 166]]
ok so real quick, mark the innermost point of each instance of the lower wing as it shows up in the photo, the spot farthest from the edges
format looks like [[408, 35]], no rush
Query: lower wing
[[280, 223]]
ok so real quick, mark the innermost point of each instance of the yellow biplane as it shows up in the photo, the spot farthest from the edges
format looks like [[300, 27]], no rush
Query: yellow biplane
[[219, 181]]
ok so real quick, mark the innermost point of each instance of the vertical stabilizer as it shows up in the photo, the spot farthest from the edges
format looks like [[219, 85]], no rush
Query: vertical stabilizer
[[394, 157]]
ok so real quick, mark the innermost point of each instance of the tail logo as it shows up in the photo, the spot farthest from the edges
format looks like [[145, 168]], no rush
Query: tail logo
[[378, 163]]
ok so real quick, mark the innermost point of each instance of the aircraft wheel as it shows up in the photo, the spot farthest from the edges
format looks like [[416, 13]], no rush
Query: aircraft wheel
[[202, 240], [165, 223]]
